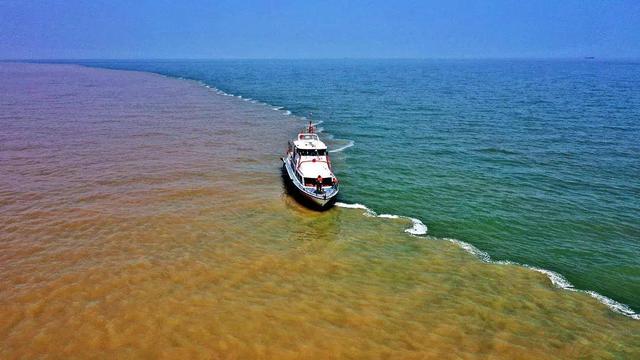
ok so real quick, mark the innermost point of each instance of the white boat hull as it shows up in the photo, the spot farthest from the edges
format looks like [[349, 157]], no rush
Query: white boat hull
[[322, 200]]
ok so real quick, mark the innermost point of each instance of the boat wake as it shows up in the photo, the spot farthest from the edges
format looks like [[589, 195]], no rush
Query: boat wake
[[342, 148]]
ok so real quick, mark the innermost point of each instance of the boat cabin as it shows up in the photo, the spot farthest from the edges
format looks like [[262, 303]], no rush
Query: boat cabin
[[309, 156]]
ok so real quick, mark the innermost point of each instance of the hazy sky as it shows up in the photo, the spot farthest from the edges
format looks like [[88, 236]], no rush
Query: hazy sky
[[322, 29]]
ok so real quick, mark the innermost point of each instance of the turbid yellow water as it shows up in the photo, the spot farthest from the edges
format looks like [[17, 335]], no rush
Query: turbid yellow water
[[145, 217]]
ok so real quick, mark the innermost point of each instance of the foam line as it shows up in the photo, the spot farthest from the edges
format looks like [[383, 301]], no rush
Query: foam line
[[417, 228], [471, 249], [556, 279], [342, 148], [614, 305], [247, 99], [352, 206]]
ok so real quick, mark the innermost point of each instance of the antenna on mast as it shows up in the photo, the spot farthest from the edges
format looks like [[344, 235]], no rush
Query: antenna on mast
[[311, 127]]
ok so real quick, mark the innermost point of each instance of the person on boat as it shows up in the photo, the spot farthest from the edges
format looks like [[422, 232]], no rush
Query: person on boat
[[334, 182], [319, 184]]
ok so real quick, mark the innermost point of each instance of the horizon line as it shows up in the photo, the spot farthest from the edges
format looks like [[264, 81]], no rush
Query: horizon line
[[586, 57]]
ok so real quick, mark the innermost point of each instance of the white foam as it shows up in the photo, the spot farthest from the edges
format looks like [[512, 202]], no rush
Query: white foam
[[417, 228], [556, 279], [614, 305], [471, 249], [349, 144], [277, 108], [352, 206], [288, 112]]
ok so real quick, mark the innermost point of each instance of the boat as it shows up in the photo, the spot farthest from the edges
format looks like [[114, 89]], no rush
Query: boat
[[307, 169]]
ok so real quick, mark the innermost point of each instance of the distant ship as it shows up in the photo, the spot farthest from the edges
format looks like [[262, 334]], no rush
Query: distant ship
[[589, 57], [308, 169]]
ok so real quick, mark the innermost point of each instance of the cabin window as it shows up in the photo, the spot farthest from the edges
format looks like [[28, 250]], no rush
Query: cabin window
[[312, 152], [312, 181], [308, 137]]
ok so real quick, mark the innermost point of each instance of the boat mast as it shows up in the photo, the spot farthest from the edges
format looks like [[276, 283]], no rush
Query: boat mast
[[310, 129]]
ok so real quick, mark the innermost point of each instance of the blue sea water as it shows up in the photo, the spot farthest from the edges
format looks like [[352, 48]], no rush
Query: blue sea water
[[532, 161]]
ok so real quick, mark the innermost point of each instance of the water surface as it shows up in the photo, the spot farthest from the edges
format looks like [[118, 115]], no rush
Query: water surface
[[144, 216], [533, 161]]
